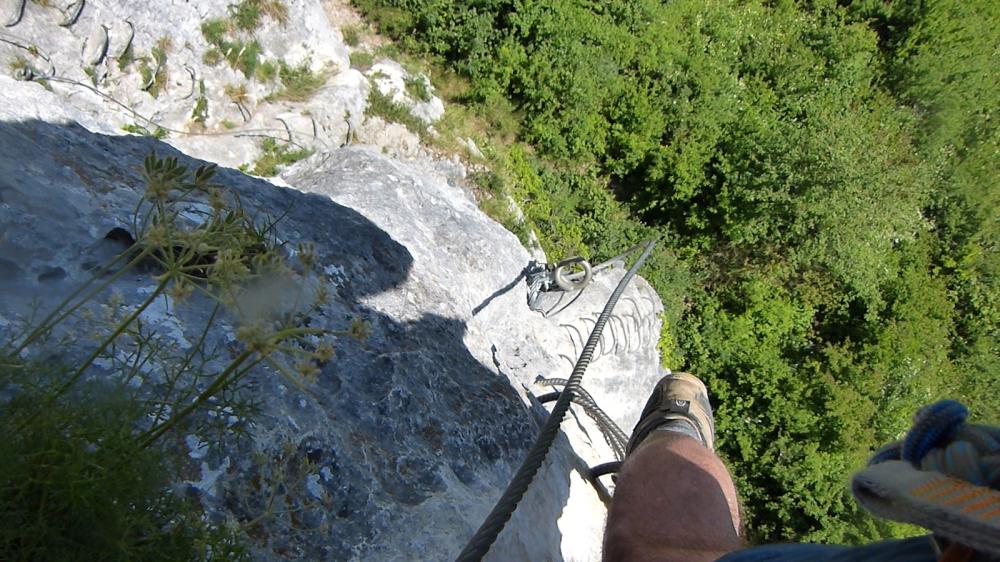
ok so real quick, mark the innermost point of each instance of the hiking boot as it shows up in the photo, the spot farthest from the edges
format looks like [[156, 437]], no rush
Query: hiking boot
[[679, 403]]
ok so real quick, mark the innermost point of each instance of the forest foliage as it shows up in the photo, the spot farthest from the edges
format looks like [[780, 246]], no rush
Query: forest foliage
[[825, 178]]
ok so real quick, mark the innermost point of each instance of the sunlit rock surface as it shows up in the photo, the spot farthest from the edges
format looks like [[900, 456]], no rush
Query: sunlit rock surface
[[401, 447]]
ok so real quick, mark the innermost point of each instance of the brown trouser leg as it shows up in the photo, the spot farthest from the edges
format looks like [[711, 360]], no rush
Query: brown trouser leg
[[674, 501]]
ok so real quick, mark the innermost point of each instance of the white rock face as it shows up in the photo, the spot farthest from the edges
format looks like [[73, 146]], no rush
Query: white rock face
[[391, 80], [413, 435], [112, 89]]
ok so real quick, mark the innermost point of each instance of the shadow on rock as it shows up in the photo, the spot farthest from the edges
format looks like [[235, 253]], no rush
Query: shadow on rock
[[402, 418]]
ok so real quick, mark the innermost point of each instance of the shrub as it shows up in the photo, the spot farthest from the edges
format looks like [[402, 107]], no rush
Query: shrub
[[77, 484]]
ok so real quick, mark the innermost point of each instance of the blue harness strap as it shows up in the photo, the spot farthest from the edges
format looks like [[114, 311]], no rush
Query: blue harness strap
[[932, 426], [944, 475]]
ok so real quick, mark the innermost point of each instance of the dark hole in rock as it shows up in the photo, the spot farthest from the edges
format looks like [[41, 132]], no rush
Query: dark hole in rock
[[120, 235], [314, 455], [52, 274]]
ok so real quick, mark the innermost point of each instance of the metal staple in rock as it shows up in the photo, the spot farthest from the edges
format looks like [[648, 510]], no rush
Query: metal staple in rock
[[30, 75], [487, 533]]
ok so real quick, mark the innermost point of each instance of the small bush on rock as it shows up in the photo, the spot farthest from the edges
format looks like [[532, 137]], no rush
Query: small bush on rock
[[298, 83], [276, 155], [86, 464], [383, 106]]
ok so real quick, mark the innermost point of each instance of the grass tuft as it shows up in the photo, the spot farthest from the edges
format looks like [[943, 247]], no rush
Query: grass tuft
[[153, 69], [268, 71], [298, 83], [383, 106], [136, 129], [237, 93], [241, 54], [126, 58], [362, 60], [418, 88], [274, 157], [352, 35], [248, 14], [200, 112], [214, 30]]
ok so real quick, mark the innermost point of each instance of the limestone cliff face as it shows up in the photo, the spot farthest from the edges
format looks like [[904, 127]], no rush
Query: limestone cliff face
[[402, 445]]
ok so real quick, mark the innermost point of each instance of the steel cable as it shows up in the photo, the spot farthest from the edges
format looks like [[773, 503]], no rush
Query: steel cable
[[613, 434], [487, 533]]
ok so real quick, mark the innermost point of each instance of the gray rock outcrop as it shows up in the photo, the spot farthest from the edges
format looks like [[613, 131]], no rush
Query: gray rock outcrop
[[402, 445]]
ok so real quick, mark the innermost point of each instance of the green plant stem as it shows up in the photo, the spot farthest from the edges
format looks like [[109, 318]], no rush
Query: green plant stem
[[201, 338], [140, 361], [104, 345], [189, 357], [56, 316], [114, 335], [230, 375], [218, 384]]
